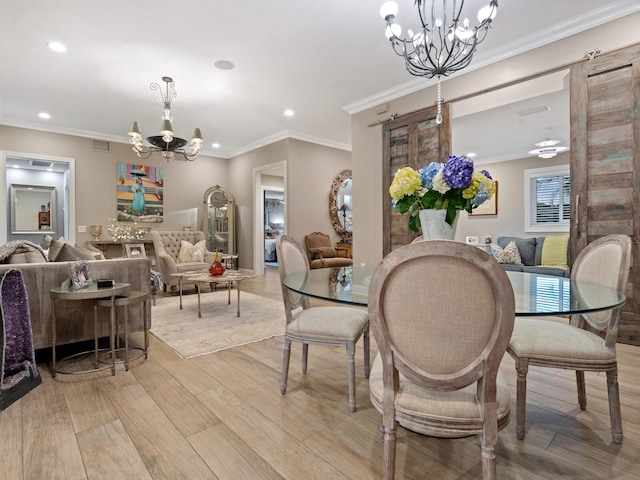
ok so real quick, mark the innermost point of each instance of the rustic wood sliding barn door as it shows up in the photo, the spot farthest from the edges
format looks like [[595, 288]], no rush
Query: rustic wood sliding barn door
[[605, 162], [412, 140]]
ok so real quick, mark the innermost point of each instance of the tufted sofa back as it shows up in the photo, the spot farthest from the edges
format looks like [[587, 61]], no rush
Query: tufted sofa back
[[169, 241]]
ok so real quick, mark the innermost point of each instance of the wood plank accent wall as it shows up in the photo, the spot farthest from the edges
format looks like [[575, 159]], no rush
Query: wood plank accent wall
[[605, 162], [412, 140]]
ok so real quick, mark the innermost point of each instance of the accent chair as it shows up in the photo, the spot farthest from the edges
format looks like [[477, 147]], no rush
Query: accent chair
[[168, 246], [322, 254]]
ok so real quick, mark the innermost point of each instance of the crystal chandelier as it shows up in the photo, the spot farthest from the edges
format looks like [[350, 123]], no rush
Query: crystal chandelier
[[444, 44], [166, 142]]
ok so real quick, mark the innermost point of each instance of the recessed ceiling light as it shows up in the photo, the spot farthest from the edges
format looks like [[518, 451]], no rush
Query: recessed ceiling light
[[44, 115], [471, 154], [224, 65], [288, 113], [57, 47], [215, 145]]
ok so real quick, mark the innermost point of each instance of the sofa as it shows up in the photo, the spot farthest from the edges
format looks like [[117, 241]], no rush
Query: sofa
[[75, 318], [531, 251]]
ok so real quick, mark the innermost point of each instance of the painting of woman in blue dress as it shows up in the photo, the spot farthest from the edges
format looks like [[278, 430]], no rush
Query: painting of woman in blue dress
[[139, 193], [137, 206]]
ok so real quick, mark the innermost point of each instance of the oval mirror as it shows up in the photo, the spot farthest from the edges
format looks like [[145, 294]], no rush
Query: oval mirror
[[340, 206]]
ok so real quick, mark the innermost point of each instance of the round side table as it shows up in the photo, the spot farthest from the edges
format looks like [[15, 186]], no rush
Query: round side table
[[91, 292]]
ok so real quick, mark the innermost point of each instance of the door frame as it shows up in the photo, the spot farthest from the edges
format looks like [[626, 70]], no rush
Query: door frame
[[69, 205], [258, 212]]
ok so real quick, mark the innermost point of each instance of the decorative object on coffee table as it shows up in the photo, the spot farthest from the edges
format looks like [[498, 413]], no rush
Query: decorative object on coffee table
[[216, 268]]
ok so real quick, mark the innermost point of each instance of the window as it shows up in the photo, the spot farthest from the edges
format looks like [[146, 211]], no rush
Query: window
[[547, 199]]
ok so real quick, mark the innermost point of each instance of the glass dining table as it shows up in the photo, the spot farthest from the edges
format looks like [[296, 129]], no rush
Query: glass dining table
[[535, 294]]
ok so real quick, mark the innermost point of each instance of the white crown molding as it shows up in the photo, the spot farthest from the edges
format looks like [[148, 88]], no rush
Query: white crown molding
[[590, 19], [263, 142], [285, 134]]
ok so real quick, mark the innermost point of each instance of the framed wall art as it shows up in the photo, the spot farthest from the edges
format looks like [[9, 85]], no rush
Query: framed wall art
[[139, 193], [490, 207]]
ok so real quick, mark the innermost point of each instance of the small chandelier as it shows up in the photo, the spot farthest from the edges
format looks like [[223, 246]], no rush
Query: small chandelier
[[166, 142], [444, 45], [548, 149]]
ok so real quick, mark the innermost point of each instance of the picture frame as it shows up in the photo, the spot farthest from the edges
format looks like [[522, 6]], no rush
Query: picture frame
[[489, 207], [80, 277], [134, 250]]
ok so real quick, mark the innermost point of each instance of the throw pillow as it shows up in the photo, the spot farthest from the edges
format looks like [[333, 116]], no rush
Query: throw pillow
[[55, 246], [190, 252], [508, 254], [526, 248], [554, 251], [69, 253]]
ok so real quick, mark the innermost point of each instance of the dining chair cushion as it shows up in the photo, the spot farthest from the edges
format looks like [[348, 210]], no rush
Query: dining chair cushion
[[538, 338], [329, 323], [458, 406]]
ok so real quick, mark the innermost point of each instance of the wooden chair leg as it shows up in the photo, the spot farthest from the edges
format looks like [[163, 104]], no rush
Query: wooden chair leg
[[582, 392], [367, 361], [522, 367], [286, 354], [389, 455], [351, 368], [489, 439], [305, 356], [614, 405]]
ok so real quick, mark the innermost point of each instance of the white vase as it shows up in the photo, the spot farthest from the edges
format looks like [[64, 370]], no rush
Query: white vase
[[434, 225]]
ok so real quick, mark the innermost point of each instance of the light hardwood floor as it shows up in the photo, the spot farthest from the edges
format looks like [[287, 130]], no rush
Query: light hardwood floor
[[222, 416]]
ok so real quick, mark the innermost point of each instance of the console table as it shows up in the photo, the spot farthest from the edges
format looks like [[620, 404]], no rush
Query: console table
[[115, 249]]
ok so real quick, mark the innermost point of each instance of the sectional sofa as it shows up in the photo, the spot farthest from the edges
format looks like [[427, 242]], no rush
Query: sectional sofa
[[531, 254], [75, 318]]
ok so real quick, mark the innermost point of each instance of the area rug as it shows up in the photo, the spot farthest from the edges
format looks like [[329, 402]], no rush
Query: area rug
[[219, 328]]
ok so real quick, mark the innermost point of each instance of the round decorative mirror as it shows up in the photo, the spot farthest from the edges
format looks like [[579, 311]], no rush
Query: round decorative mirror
[[340, 207]]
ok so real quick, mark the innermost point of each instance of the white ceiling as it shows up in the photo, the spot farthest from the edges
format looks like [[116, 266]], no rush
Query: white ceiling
[[323, 59]]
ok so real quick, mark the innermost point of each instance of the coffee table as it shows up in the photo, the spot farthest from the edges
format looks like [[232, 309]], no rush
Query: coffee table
[[203, 277]]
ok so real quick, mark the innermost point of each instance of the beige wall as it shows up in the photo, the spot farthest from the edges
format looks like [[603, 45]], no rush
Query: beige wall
[[95, 184], [367, 141]]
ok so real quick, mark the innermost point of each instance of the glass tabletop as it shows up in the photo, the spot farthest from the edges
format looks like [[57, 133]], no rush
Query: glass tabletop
[[535, 294]]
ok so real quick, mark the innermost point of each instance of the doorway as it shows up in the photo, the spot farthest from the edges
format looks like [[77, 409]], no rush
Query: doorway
[[34, 170], [272, 178]]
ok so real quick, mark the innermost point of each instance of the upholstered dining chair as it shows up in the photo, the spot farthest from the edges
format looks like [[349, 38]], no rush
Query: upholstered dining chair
[[587, 342], [442, 314], [322, 325]]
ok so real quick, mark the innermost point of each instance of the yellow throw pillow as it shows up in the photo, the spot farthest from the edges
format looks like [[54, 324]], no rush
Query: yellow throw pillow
[[509, 254], [554, 251]]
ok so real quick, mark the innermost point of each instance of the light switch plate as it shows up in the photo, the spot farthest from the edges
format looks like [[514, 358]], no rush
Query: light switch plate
[[82, 229]]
